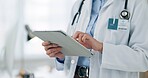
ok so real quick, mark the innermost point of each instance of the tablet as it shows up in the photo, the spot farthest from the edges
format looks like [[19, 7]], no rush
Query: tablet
[[70, 47]]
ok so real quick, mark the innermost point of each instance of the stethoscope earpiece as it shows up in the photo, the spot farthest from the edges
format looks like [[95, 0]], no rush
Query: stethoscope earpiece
[[125, 14]]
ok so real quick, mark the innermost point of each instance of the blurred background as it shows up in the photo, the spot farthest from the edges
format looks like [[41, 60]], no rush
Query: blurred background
[[18, 53]]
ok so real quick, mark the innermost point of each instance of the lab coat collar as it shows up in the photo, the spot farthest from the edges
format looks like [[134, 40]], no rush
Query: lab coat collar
[[108, 2]]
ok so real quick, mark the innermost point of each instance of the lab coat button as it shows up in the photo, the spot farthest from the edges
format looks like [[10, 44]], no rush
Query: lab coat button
[[72, 61]]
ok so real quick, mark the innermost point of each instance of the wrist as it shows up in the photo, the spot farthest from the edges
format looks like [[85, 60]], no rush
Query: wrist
[[60, 60], [98, 46], [101, 47]]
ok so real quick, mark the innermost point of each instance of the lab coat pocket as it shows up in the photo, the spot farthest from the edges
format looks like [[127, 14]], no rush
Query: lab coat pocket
[[121, 35]]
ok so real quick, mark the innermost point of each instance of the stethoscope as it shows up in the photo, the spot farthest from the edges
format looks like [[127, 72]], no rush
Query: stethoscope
[[78, 13], [123, 15]]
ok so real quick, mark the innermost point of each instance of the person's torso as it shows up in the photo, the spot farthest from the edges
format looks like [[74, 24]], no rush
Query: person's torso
[[111, 9]]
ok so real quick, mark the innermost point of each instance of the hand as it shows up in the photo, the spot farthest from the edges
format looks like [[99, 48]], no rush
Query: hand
[[88, 41], [53, 50]]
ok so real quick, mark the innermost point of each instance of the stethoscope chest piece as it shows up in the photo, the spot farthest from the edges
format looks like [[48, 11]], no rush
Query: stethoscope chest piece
[[125, 14]]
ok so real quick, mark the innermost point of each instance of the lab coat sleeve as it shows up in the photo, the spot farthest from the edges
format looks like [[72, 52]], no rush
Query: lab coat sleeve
[[134, 56], [73, 12], [59, 66]]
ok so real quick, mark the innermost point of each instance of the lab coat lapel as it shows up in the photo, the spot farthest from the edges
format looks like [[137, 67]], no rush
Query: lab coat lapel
[[108, 3], [73, 64], [71, 61], [85, 16], [80, 26], [95, 64]]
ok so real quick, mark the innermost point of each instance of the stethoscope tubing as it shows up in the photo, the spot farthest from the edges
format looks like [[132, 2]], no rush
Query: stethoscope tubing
[[78, 13]]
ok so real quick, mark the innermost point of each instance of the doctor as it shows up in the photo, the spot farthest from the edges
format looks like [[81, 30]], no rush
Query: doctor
[[116, 31]]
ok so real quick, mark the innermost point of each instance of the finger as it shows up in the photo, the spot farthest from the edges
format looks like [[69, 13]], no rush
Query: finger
[[75, 36], [85, 38], [51, 46], [49, 53], [53, 50], [46, 43], [57, 50], [80, 38], [53, 53]]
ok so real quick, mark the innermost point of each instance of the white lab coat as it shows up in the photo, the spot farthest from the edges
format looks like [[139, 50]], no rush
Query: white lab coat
[[125, 52]]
